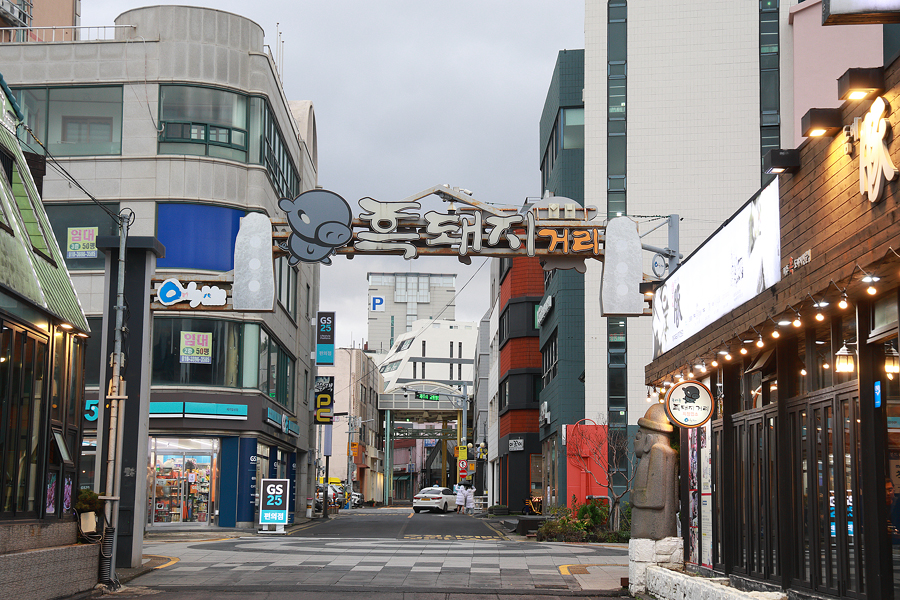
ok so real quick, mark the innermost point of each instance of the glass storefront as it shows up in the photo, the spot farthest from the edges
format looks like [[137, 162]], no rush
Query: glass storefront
[[183, 480]]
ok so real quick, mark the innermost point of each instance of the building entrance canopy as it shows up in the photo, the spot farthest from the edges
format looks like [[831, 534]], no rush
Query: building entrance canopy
[[404, 406]]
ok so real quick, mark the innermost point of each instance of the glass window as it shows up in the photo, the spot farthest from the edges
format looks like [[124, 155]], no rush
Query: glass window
[[33, 104], [286, 285], [550, 354], [225, 351], [616, 44], [616, 101], [573, 128], [78, 216], [92, 359], [204, 121], [76, 381], [197, 236], [615, 157]]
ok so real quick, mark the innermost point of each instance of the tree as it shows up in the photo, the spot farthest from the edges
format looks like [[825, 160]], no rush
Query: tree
[[605, 454]]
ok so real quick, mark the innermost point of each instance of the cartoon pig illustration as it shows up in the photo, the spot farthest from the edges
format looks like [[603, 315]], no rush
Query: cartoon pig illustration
[[320, 222]]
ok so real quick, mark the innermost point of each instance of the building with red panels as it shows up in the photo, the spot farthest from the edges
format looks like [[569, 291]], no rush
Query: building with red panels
[[519, 475]]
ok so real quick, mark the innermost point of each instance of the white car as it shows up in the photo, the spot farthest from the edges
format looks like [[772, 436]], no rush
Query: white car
[[434, 498]]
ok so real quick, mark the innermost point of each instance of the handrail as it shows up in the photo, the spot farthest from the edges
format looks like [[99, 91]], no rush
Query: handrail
[[68, 33]]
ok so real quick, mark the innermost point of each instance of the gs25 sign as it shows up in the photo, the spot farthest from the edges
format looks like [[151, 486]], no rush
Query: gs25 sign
[[273, 502]]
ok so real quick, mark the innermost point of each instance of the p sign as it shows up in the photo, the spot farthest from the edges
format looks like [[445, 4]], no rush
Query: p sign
[[376, 303], [273, 501]]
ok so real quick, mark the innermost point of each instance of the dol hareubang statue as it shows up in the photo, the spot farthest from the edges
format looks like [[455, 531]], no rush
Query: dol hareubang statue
[[654, 497]]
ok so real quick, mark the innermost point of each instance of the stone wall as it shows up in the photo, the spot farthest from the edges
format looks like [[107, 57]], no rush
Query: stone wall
[[16, 537], [666, 584], [49, 573]]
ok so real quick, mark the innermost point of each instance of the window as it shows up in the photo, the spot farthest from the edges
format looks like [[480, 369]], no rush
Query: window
[[286, 285], [573, 128], [224, 366], [390, 367], [405, 344], [197, 236], [203, 121], [79, 216], [550, 354], [73, 121]]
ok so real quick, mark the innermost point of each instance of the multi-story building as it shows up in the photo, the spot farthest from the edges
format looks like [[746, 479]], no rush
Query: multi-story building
[[181, 122], [42, 340], [681, 103], [561, 312], [440, 350], [397, 300], [358, 431]]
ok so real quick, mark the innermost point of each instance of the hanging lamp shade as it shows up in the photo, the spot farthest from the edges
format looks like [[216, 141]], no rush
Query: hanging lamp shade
[[891, 360], [843, 360]]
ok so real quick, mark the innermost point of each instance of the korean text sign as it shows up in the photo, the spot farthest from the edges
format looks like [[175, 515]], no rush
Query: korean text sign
[[325, 338], [195, 348], [273, 502], [81, 242]]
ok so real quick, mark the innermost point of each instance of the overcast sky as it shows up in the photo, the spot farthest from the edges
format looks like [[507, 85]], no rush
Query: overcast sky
[[408, 95]]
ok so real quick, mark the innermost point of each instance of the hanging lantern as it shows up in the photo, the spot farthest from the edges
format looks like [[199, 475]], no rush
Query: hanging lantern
[[891, 359], [843, 360]]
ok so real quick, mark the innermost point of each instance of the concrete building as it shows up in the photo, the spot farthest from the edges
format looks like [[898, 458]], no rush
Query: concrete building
[[357, 384], [681, 103], [188, 130], [441, 351], [397, 300]]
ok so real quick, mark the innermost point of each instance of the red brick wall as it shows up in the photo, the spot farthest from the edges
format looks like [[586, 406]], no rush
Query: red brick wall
[[519, 421], [525, 278], [520, 353]]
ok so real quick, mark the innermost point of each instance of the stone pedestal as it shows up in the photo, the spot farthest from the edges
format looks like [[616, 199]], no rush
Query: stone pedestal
[[667, 552]]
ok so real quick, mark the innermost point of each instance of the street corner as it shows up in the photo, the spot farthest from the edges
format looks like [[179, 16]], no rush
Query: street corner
[[598, 576]]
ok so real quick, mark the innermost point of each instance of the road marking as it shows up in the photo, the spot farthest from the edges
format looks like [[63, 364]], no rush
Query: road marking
[[582, 569], [451, 538], [172, 560]]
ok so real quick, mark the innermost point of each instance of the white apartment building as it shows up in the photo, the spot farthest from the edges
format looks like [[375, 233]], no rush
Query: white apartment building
[[440, 351], [397, 300]]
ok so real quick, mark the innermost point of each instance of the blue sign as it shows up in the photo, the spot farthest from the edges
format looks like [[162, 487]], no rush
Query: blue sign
[[273, 501], [877, 394], [325, 338], [376, 304]]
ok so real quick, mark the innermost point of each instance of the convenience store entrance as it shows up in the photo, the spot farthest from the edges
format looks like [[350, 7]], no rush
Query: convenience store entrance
[[184, 473]]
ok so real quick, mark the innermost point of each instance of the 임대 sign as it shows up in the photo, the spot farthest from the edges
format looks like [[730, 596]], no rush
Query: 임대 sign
[[196, 347], [273, 502], [689, 404], [81, 242]]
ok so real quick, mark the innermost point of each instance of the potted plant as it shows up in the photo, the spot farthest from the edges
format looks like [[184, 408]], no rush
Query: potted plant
[[498, 509], [88, 506]]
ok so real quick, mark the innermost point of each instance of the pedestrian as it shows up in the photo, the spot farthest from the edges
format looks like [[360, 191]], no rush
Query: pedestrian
[[470, 500], [460, 498]]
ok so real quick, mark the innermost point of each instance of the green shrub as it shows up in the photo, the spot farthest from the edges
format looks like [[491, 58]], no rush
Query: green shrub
[[88, 501]]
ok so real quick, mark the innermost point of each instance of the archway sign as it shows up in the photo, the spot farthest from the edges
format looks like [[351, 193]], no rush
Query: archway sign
[[557, 230]]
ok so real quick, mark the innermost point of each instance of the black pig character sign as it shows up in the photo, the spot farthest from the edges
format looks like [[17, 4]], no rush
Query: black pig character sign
[[320, 222]]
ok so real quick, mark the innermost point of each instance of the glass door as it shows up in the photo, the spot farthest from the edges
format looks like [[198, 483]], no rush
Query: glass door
[[183, 480]]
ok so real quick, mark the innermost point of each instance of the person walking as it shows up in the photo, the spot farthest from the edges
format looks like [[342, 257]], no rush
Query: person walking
[[460, 498], [470, 500]]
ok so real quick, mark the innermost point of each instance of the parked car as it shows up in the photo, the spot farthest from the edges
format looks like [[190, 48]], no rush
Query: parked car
[[335, 493], [434, 498]]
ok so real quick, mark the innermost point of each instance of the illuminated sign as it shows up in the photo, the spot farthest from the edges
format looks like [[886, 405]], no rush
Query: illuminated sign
[[324, 391], [427, 396], [689, 404], [273, 502], [838, 12], [325, 339], [875, 165], [746, 256]]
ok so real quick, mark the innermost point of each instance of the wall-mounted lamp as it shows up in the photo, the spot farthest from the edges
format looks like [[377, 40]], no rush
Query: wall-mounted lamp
[[818, 305], [648, 288], [759, 342], [714, 363], [858, 83], [777, 161], [775, 332], [843, 360], [819, 122], [796, 322], [844, 302], [891, 359]]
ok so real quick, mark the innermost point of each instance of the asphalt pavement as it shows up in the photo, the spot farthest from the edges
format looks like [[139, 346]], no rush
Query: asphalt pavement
[[386, 554]]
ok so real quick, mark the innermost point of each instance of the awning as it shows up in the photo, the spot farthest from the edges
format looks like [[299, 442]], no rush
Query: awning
[[762, 361], [401, 477]]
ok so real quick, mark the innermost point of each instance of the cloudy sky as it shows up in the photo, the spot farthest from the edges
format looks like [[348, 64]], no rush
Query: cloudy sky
[[408, 95]]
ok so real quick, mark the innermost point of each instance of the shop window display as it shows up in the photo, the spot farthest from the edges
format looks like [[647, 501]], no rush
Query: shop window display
[[183, 475]]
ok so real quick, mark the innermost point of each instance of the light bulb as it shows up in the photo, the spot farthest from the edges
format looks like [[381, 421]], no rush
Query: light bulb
[[843, 303], [743, 350], [820, 316], [760, 343], [797, 322], [727, 356], [776, 334], [871, 290], [715, 363]]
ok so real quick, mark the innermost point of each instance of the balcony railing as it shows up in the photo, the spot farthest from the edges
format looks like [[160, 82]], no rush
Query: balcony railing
[[62, 34]]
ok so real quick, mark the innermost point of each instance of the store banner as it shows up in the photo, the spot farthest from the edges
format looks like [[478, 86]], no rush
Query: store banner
[[273, 504], [325, 339], [195, 348], [324, 399], [81, 242]]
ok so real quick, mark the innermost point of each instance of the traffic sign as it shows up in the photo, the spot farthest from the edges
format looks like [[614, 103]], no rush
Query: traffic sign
[[463, 469]]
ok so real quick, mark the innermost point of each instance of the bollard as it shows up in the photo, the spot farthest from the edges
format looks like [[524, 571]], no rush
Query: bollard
[[309, 508]]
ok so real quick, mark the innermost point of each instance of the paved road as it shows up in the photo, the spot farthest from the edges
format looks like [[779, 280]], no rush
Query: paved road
[[394, 552]]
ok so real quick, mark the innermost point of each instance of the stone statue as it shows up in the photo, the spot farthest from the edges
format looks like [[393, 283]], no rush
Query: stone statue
[[654, 497]]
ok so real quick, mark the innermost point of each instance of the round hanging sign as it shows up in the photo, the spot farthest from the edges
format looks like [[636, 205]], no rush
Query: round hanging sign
[[689, 404]]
